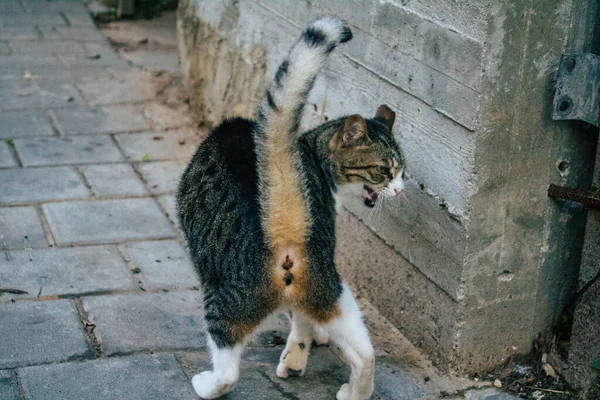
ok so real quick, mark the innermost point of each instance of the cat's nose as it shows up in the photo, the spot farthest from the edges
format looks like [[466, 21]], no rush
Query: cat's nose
[[397, 191]]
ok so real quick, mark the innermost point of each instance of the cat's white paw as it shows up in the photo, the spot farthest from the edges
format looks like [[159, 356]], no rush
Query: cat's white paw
[[344, 393], [210, 386], [293, 359]]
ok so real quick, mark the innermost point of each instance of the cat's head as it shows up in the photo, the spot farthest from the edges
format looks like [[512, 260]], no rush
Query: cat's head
[[365, 151]]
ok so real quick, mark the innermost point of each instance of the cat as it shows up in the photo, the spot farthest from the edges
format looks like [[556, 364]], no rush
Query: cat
[[257, 208]]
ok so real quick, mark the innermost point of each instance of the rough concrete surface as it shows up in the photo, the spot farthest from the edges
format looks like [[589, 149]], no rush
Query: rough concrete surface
[[8, 386], [138, 377], [585, 339], [39, 333], [112, 308], [21, 228]]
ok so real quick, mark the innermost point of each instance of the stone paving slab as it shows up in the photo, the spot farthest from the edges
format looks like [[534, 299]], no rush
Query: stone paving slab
[[24, 123], [10, 7], [19, 33], [114, 180], [47, 47], [8, 386], [7, 160], [66, 271], [109, 119], [104, 92], [72, 33], [63, 95], [10, 75], [32, 19], [162, 177], [18, 186], [169, 204], [164, 263], [171, 145], [151, 321], [22, 61], [56, 6], [4, 49], [22, 227], [107, 221], [35, 332], [139, 377], [42, 151]]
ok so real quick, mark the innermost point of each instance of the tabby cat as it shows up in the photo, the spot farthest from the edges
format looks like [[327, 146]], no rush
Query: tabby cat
[[257, 207]]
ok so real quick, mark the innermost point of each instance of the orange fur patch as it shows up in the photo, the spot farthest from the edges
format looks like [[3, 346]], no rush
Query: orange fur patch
[[286, 219], [287, 214], [324, 316], [241, 330]]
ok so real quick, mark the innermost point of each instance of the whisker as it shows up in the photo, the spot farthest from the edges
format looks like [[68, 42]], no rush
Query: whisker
[[380, 204], [371, 214], [405, 198]]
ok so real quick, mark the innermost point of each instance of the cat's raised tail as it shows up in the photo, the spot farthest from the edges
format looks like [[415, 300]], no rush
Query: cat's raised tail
[[282, 107]]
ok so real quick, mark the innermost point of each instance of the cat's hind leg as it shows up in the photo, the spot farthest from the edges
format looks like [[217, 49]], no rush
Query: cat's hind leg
[[295, 355], [230, 317], [350, 334], [225, 373]]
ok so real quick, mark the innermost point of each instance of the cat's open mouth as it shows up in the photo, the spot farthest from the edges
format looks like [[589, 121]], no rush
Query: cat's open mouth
[[370, 196]]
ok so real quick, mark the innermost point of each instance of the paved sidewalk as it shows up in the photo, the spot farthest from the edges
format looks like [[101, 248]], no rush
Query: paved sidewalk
[[90, 154]]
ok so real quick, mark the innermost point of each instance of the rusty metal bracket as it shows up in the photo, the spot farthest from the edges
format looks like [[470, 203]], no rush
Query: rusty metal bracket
[[590, 198], [578, 88]]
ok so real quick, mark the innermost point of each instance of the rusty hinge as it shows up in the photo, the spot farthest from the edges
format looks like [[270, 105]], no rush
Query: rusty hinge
[[590, 198], [578, 88]]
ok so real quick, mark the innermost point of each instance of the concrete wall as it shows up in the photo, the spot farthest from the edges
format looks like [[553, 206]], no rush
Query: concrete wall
[[477, 261], [585, 340]]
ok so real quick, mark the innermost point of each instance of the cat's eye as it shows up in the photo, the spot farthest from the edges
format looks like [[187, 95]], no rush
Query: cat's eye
[[383, 170]]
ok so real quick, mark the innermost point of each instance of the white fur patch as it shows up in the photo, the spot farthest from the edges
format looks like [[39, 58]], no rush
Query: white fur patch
[[351, 335], [225, 373], [395, 187]]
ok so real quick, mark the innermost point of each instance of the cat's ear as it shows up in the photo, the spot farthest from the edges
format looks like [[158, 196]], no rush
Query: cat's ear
[[355, 129], [385, 115]]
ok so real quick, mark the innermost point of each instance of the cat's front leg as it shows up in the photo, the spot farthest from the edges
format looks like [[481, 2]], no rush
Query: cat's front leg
[[295, 355], [350, 334]]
